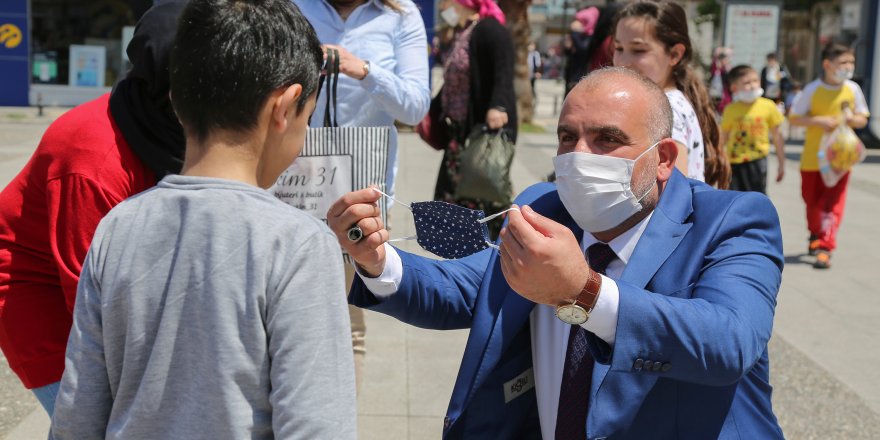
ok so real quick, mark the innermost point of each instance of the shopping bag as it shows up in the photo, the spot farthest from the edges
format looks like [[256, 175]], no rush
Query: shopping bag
[[335, 160], [484, 166], [839, 150]]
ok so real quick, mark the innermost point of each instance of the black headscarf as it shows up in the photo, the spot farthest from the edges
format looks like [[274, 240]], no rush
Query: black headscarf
[[139, 102]]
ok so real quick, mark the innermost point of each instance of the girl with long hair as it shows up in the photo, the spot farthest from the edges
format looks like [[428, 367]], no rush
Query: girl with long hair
[[652, 38]]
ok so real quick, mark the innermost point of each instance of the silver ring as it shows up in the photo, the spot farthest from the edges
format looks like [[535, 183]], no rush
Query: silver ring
[[355, 233]]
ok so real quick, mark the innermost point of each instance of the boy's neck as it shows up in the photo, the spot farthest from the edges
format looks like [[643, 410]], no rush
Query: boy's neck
[[223, 159], [830, 80]]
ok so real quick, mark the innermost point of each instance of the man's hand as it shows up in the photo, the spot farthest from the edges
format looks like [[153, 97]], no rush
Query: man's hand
[[361, 208], [780, 172], [496, 119], [349, 64], [541, 259]]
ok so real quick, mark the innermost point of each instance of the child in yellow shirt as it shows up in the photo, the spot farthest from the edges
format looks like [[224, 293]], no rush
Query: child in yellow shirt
[[746, 127], [818, 108]]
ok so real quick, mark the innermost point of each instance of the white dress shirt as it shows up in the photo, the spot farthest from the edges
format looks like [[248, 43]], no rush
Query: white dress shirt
[[549, 335], [397, 87]]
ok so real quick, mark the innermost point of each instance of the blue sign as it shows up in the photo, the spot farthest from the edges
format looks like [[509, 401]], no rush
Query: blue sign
[[14, 53], [427, 8]]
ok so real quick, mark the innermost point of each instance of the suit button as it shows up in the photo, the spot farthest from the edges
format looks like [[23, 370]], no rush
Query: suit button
[[666, 367], [637, 365], [657, 366]]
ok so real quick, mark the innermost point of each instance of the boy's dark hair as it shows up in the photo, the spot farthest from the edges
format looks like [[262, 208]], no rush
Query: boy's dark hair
[[771, 56], [739, 72], [230, 55], [834, 50]]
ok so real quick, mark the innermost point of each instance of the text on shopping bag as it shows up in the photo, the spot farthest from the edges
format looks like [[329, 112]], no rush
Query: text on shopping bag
[[313, 183]]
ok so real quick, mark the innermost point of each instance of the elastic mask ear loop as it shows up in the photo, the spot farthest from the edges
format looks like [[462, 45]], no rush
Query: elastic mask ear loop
[[407, 206], [486, 219], [392, 198], [639, 200]]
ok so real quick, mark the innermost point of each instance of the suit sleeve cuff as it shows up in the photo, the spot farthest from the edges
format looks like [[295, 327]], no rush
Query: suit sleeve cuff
[[603, 318], [387, 283]]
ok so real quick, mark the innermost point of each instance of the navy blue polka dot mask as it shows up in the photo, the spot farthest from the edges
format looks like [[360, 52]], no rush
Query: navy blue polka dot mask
[[449, 231]]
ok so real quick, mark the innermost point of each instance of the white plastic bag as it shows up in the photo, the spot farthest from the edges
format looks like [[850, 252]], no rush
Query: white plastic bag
[[839, 151]]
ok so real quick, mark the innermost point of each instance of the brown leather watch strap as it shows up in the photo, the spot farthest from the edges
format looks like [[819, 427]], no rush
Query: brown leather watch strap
[[590, 293]]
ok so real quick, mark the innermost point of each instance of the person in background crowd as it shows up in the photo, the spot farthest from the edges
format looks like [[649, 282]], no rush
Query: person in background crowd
[[792, 95], [536, 66], [720, 85], [819, 108], [208, 308], [660, 332], [90, 159], [600, 51], [383, 53], [651, 37], [774, 79], [477, 90], [576, 43], [747, 125]]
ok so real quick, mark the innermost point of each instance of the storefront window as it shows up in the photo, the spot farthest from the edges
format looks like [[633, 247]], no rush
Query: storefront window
[[84, 35]]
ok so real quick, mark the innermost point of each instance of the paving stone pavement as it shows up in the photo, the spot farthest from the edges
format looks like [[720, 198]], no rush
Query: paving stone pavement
[[822, 354]]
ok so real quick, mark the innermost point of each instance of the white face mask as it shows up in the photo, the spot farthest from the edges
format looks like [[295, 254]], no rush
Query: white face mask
[[842, 75], [597, 190], [748, 96], [450, 16]]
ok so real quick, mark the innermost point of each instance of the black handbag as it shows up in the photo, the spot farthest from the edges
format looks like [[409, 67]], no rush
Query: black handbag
[[484, 166]]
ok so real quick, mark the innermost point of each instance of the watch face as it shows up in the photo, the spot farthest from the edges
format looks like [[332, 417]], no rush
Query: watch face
[[572, 314]]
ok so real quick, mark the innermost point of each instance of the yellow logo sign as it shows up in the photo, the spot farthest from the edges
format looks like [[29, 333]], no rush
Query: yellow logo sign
[[10, 35]]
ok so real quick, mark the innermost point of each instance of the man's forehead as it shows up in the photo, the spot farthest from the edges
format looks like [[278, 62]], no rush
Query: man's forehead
[[605, 105]]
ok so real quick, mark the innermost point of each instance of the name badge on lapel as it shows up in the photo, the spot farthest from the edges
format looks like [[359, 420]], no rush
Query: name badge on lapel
[[519, 385]]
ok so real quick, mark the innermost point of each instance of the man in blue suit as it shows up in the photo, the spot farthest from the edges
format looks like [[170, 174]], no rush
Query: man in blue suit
[[659, 332]]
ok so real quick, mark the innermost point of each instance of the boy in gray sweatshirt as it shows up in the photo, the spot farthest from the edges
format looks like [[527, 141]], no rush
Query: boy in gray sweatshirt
[[208, 309]]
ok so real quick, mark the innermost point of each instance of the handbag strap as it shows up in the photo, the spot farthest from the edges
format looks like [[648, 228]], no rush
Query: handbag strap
[[330, 80]]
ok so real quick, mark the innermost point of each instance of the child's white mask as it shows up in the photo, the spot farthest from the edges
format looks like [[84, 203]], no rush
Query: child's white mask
[[842, 75], [748, 96]]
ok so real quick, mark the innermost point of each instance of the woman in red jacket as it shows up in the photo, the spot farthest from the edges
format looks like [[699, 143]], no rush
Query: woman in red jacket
[[90, 159]]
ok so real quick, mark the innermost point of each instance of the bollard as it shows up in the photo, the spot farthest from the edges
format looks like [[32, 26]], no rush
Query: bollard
[[39, 104]]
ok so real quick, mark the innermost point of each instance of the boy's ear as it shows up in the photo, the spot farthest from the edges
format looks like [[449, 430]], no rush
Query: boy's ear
[[284, 105]]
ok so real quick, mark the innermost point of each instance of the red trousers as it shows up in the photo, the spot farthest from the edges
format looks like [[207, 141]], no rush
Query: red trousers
[[824, 207]]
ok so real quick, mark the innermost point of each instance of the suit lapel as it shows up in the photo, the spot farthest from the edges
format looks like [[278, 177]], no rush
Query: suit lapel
[[511, 313], [665, 231]]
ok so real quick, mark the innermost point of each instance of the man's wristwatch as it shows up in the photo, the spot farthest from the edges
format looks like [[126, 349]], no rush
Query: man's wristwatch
[[578, 312], [366, 68]]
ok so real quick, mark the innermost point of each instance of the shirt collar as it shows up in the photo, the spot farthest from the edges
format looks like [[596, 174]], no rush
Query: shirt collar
[[376, 3], [831, 86], [624, 244]]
